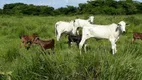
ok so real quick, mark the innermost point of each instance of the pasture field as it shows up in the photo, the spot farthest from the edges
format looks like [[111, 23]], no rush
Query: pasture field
[[67, 64]]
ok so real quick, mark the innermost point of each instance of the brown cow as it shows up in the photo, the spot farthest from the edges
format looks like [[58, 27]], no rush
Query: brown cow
[[137, 36], [27, 40], [45, 44]]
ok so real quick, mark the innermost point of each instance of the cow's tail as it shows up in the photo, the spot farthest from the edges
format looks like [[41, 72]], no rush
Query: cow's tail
[[53, 46], [53, 41], [56, 33]]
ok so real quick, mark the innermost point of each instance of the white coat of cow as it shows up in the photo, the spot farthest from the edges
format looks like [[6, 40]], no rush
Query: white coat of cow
[[69, 27], [110, 32], [63, 27], [91, 19], [82, 23]]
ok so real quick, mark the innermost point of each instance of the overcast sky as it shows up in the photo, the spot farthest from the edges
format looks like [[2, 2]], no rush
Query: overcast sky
[[52, 3]]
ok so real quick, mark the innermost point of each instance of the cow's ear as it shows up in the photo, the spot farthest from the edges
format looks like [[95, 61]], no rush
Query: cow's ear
[[35, 34], [117, 29], [118, 25], [20, 36], [37, 38]]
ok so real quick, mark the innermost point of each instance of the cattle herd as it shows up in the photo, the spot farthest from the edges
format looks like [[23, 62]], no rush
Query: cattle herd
[[110, 32]]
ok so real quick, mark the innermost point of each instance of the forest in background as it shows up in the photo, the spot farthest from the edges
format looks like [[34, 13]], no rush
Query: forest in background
[[94, 7]]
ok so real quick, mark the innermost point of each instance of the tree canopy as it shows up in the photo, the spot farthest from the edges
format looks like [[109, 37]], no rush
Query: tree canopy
[[109, 7]]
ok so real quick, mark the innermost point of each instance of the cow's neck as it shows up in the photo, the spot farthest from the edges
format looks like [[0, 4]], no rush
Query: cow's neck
[[118, 29]]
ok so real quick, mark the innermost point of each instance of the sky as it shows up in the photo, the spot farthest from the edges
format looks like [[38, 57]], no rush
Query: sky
[[53, 3]]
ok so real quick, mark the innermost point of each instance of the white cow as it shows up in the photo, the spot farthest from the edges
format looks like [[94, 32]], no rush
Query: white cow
[[110, 32], [69, 27], [91, 19], [63, 27], [82, 23]]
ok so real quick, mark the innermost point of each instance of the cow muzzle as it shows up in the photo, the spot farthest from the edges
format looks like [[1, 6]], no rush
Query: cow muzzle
[[124, 32]]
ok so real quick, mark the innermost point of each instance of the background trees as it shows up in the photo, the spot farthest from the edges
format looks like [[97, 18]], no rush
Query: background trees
[[109, 7]]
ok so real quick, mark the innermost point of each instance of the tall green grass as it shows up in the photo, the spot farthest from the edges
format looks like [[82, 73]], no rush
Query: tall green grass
[[67, 64]]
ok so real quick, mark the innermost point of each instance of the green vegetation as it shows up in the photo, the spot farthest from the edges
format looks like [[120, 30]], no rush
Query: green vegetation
[[68, 64], [109, 7]]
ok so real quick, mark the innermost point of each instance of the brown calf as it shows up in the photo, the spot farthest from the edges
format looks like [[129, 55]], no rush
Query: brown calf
[[27, 40], [137, 36], [45, 44]]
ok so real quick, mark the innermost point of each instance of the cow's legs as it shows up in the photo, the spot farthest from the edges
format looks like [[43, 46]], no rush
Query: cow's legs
[[81, 44], [116, 39], [58, 36], [29, 45], [77, 43], [85, 45], [43, 50], [53, 50], [77, 32], [113, 46], [69, 43], [25, 45], [21, 45]]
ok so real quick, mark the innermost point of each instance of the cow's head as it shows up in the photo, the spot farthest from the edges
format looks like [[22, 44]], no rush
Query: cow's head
[[36, 40], [91, 19], [76, 23], [122, 26], [75, 26]]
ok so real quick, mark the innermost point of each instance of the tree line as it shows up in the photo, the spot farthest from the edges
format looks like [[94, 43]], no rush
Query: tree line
[[109, 7]]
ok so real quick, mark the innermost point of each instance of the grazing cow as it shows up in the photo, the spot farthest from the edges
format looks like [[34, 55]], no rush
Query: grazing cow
[[137, 36], [91, 19], [110, 32], [63, 27], [69, 27], [76, 39], [27, 40], [82, 23], [45, 44]]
